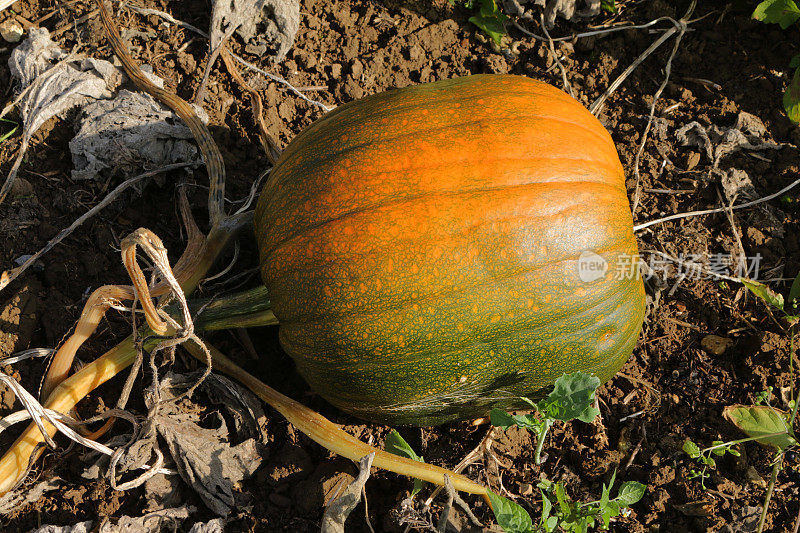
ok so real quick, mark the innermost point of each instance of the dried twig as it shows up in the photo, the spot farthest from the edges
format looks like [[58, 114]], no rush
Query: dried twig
[[282, 81], [338, 510], [269, 144], [453, 496], [564, 80], [212, 58], [297, 90], [211, 154], [166, 16], [644, 225], [39, 414], [667, 71], [592, 33]]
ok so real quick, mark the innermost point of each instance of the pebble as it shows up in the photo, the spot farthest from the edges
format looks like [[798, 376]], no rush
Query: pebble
[[11, 31], [715, 345], [753, 476]]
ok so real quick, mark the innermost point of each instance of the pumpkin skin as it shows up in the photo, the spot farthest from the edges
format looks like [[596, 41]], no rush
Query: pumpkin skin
[[421, 248]]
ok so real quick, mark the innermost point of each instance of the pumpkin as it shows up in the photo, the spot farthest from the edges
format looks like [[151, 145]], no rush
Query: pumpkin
[[435, 251]]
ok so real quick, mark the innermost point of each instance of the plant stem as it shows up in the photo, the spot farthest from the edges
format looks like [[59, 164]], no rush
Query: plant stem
[[740, 441], [64, 397], [772, 479], [791, 377], [328, 434], [540, 438], [247, 309]]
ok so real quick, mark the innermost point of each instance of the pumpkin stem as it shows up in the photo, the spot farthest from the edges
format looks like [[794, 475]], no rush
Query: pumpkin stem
[[247, 309], [329, 435]]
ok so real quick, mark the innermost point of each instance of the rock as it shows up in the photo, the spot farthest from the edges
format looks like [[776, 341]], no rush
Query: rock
[[754, 477], [352, 90], [356, 69], [525, 489], [11, 31], [715, 345]]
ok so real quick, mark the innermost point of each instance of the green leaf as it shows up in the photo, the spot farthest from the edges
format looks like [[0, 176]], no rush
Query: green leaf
[[765, 293], [8, 134], [609, 5], [783, 12], [794, 292], [504, 420], [501, 419], [572, 397], [791, 98], [490, 20], [766, 424], [795, 61], [547, 507], [606, 509], [605, 496], [692, 449], [510, 516], [397, 445], [563, 500], [630, 492]]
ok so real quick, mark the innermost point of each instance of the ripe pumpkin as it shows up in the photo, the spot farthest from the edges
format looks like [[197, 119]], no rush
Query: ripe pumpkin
[[422, 249]]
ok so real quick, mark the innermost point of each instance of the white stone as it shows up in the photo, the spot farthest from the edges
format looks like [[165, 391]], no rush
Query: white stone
[[11, 31]]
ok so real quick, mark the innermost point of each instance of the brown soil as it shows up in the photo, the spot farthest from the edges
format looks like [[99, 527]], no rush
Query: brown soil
[[670, 389]]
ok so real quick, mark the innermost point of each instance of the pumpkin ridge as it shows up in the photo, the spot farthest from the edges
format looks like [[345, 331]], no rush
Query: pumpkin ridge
[[266, 253], [444, 95], [285, 162], [446, 291]]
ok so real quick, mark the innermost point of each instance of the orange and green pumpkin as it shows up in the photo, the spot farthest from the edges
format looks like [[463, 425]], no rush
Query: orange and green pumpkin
[[422, 249]]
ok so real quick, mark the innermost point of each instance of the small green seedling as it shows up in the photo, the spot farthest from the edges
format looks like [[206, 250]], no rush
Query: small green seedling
[[397, 445], [490, 20], [764, 396], [785, 13], [705, 459], [790, 202], [559, 511], [572, 398]]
